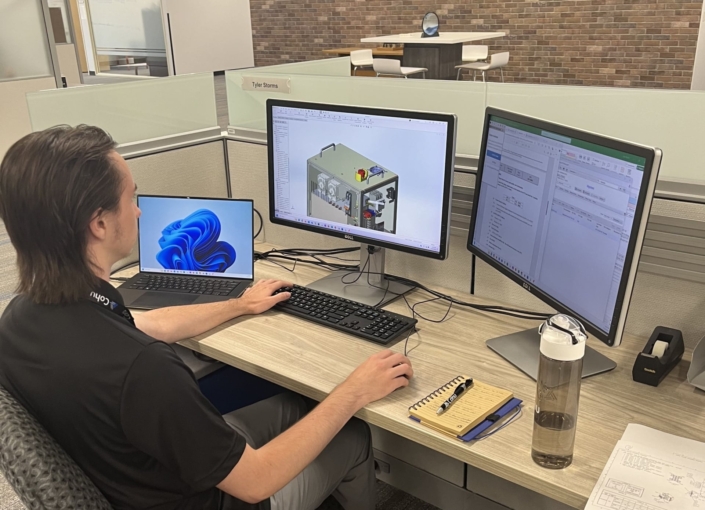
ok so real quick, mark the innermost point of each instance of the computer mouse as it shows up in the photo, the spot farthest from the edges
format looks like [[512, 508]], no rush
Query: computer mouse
[[403, 375]]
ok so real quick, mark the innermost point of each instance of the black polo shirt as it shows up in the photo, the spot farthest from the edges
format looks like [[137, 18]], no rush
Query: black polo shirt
[[122, 404]]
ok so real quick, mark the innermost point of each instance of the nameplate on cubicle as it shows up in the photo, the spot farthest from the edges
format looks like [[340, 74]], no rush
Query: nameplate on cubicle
[[259, 83]]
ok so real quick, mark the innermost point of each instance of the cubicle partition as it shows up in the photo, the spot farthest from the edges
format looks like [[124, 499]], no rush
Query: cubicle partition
[[135, 111], [167, 130]]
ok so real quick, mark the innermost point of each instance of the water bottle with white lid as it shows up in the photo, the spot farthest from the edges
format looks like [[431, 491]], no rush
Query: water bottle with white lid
[[558, 391]]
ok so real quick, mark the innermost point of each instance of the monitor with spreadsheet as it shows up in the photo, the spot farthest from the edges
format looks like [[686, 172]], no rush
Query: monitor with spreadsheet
[[563, 213]]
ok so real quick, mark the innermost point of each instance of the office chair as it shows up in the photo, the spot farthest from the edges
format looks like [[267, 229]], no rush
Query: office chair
[[497, 61], [392, 67], [360, 59], [42, 474]]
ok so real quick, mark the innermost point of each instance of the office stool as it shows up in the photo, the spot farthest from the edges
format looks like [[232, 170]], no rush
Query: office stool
[[497, 61], [392, 67], [360, 59], [473, 53]]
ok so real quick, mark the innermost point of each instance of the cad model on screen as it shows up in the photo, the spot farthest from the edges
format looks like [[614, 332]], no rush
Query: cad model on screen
[[346, 187]]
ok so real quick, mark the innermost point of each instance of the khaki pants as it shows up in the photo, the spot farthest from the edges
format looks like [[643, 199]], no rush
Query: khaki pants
[[345, 468]]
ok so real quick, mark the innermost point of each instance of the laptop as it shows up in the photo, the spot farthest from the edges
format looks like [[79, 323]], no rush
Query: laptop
[[191, 250]]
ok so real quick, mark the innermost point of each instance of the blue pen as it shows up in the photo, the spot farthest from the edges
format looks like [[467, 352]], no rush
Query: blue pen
[[458, 391]]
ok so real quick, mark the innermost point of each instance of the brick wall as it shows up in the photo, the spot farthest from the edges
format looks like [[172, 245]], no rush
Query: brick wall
[[626, 43]]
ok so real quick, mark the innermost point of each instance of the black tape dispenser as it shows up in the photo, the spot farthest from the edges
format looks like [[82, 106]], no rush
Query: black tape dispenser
[[660, 355]]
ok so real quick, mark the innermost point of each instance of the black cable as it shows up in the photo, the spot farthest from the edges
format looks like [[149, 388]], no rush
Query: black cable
[[513, 312], [358, 273], [406, 341], [122, 268], [261, 223], [301, 255], [294, 254]]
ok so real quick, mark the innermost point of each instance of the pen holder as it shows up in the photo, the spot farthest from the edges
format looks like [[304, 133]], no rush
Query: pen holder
[[660, 355]]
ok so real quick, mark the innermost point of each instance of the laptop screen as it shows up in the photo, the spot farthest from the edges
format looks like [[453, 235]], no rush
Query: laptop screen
[[196, 236]]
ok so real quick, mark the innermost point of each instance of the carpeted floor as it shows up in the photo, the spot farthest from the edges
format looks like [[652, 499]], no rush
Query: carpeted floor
[[388, 498]]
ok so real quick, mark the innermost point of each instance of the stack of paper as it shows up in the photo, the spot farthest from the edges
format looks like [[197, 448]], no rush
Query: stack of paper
[[651, 470]]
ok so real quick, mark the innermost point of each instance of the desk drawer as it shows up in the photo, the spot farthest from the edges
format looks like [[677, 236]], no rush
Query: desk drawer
[[427, 487], [419, 456], [507, 493]]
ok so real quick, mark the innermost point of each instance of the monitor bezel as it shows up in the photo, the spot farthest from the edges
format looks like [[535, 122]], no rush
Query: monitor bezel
[[222, 199], [450, 119], [651, 167]]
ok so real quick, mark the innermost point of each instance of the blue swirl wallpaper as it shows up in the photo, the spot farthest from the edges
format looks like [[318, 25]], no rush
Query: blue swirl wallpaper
[[196, 236], [192, 244]]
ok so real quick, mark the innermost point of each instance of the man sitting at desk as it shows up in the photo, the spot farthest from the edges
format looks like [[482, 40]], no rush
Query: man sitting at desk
[[111, 390]]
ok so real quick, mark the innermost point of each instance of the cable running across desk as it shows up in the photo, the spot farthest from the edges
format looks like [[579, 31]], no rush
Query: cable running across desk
[[294, 255]]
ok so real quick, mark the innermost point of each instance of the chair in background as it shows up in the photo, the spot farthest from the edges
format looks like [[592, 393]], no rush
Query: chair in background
[[42, 474], [360, 59], [497, 61], [473, 53], [392, 67]]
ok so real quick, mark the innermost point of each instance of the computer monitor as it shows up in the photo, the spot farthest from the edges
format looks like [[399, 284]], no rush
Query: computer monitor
[[563, 213], [380, 177]]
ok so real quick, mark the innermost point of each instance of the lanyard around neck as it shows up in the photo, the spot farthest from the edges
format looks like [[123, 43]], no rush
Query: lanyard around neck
[[111, 306]]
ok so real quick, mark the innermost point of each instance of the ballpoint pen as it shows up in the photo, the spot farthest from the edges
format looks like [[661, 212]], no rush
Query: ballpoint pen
[[458, 391]]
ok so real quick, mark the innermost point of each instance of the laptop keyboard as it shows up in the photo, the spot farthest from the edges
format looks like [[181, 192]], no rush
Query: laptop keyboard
[[183, 284]]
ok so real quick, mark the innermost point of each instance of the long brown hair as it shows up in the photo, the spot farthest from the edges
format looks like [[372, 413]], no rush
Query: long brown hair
[[52, 183]]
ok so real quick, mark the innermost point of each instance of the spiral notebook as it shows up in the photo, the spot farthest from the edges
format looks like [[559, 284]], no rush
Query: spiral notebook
[[467, 412]]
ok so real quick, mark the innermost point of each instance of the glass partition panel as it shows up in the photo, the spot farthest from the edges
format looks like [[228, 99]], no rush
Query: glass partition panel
[[465, 99], [669, 120], [339, 66], [24, 46], [131, 111]]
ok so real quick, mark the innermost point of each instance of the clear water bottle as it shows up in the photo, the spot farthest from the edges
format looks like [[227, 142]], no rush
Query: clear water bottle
[[558, 391]]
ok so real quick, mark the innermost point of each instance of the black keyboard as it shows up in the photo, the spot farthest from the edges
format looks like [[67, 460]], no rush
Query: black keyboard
[[182, 284], [374, 324]]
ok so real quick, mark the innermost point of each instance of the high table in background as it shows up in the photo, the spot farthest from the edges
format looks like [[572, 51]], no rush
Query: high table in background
[[438, 54]]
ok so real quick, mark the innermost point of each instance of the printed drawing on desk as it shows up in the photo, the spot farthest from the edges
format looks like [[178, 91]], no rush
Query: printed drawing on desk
[[645, 477]]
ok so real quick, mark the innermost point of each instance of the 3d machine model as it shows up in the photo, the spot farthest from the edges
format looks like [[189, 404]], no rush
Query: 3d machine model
[[348, 188]]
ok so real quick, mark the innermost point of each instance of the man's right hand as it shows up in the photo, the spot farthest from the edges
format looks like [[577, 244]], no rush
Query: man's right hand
[[262, 472], [377, 377]]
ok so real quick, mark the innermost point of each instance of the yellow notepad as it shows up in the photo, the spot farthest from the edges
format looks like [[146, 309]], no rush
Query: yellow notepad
[[469, 410]]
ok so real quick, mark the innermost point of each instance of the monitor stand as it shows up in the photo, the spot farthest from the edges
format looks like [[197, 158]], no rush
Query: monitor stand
[[521, 349], [370, 287]]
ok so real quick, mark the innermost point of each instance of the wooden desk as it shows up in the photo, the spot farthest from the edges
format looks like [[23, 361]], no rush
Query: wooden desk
[[439, 54], [312, 360], [376, 52]]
